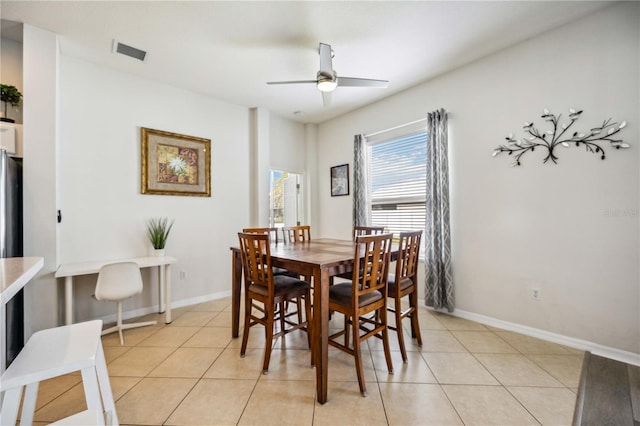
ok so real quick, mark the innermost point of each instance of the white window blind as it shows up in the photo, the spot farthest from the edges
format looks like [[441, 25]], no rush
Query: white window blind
[[397, 170]]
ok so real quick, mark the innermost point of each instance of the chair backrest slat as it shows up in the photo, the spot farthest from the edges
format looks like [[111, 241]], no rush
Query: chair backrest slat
[[256, 259], [367, 230], [273, 232], [371, 264], [296, 234], [408, 255]]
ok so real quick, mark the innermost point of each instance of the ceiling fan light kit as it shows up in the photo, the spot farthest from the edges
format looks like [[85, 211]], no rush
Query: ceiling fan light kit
[[327, 83], [327, 79]]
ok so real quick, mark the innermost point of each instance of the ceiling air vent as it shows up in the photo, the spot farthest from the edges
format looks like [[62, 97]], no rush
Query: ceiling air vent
[[127, 50]]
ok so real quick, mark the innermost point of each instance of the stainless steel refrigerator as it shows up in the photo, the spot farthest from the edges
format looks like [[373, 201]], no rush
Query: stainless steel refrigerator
[[11, 245]]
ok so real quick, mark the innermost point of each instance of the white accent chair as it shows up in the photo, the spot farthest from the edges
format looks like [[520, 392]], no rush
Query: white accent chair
[[117, 282], [55, 352]]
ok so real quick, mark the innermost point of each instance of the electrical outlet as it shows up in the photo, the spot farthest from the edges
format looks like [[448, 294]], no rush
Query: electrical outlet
[[183, 275], [535, 293]]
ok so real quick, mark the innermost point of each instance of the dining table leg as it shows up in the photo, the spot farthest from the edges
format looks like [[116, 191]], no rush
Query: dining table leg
[[236, 279], [321, 332]]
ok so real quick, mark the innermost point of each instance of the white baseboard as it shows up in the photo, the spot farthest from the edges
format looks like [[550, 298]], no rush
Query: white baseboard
[[174, 305], [584, 345]]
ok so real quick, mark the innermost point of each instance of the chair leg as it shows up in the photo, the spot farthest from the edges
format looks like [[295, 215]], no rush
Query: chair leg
[[10, 406], [415, 325], [346, 331], [299, 307], [119, 321], [105, 386], [248, 305], [399, 330], [307, 312], [268, 329], [29, 403], [385, 339], [91, 389], [357, 355], [283, 313]]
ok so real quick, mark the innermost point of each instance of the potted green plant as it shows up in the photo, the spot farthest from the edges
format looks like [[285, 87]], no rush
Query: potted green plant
[[158, 229], [9, 95]]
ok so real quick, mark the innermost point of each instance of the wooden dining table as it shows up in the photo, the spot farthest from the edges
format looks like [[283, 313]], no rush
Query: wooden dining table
[[321, 259]]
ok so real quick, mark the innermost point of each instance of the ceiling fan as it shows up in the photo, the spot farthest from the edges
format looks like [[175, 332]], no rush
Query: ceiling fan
[[327, 79]]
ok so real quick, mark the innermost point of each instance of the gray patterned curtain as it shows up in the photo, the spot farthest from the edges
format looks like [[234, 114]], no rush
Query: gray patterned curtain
[[438, 279], [361, 197]]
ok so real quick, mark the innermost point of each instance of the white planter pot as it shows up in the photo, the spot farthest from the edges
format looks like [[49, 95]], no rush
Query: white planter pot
[[158, 252]]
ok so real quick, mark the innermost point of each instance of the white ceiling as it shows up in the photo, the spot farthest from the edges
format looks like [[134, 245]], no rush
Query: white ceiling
[[229, 50]]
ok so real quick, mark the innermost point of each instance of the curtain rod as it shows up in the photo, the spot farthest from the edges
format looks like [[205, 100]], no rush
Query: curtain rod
[[394, 128]]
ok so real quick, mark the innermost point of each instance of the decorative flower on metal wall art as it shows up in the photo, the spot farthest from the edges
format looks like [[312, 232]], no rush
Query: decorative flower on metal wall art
[[561, 134]]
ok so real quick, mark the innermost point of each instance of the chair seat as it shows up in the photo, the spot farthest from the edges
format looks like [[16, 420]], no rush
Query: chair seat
[[340, 294], [405, 283], [283, 285]]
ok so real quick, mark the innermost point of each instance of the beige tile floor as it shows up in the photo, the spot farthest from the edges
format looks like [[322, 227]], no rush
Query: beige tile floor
[[190, 373]]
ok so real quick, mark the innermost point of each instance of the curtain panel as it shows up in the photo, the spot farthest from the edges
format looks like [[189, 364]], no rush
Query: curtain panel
[[361, 196], [438, 277]]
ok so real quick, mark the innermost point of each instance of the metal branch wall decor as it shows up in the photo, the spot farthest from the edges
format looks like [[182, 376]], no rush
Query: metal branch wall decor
[[560, 134]]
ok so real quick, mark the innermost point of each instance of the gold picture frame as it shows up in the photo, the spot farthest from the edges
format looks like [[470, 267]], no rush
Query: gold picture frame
[[175, 164]]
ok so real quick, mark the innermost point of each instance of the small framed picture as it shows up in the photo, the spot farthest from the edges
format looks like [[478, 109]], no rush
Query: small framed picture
[[174, 164], [340, 180]]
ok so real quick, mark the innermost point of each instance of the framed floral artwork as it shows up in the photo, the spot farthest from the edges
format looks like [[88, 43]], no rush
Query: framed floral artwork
[[340, 180], [174, 164]]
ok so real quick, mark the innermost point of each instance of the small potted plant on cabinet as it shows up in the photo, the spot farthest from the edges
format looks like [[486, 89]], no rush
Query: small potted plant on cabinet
[[9, 95], [158, 229]]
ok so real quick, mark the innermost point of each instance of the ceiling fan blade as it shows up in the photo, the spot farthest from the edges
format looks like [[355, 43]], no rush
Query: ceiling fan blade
[[326, 98], [292, 82], [325, 59], [361, 82]]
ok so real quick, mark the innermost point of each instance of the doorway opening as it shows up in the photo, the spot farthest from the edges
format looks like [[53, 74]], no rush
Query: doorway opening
[[285, 199]]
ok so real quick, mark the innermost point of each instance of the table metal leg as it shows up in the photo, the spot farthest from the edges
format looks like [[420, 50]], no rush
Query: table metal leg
[[68, 300], [161, 289], [167, 293]]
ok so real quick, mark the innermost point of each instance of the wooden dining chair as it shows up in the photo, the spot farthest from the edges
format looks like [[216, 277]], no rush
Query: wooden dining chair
[[266, 294], [367, 230], [359, 231], [404, 282], [273, 232], [365, 294], [296, 234]]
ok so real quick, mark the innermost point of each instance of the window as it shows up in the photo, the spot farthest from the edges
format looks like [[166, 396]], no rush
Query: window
[[398, 170]]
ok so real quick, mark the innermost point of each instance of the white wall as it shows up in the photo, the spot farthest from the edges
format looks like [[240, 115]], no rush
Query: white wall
[[40, 188], [103, 210], [571, 229], [287, 145], [11, 73]]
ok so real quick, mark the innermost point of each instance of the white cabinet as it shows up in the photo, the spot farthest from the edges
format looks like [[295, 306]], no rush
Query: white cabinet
[[11, 138]]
